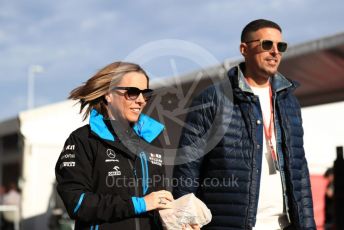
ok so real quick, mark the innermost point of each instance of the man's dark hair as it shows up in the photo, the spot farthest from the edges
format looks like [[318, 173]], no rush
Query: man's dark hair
[[328, 172], [256, 25]]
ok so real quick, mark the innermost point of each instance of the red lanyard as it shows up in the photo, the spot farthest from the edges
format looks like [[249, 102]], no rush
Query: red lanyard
[[269, 130]]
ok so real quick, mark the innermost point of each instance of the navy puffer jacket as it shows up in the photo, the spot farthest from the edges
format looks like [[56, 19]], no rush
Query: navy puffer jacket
[[220, 153]]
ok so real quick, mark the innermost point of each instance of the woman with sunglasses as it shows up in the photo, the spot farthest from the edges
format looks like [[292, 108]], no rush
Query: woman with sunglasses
[[110, 172]]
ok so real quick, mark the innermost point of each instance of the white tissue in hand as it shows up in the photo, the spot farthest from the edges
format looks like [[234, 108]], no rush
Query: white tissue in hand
[[188, 209]]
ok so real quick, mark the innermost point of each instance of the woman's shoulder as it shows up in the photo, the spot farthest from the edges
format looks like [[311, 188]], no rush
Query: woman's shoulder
[[81, 132]]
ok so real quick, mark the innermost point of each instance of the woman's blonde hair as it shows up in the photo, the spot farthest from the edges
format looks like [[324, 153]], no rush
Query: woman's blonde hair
[[91, 94]]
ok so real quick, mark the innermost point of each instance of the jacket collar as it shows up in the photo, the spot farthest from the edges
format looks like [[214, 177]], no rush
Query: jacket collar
[[146, 127], [278, 81]]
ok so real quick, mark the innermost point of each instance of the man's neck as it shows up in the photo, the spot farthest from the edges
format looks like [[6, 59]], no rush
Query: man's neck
[[257, 82], [256, 79]]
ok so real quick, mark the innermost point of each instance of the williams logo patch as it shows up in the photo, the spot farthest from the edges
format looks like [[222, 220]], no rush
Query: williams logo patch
[[155, 159]]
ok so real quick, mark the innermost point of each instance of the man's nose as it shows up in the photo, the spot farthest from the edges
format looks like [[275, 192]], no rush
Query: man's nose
[[274, 49]]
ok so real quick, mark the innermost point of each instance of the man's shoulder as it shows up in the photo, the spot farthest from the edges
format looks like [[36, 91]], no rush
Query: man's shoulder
[[234, 70], [217, 90]]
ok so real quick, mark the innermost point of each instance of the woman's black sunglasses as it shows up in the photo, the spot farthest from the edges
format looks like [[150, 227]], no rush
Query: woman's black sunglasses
[[267, 45], [132, 93]]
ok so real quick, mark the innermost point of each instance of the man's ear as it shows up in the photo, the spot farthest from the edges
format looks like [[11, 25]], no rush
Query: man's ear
[[243, 49]]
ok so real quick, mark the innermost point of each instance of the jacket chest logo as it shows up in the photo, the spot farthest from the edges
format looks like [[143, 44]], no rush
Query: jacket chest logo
[[111, 156], [155, 159], [116, 172]]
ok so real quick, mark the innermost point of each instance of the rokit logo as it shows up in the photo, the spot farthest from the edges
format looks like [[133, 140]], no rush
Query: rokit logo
[[112, 155], [117, 172]]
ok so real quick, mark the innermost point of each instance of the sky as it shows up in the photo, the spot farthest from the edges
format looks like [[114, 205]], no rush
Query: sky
[[72, 40]]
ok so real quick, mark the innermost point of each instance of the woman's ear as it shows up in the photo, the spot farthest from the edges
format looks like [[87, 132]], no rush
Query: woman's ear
[[108, 98]]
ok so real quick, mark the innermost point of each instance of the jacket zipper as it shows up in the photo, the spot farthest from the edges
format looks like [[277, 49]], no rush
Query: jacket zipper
[[279, 165], [254, 174], [137, 221], [292, 196]]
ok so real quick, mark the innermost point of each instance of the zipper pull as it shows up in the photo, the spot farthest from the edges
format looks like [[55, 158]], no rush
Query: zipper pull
[[134, 170]]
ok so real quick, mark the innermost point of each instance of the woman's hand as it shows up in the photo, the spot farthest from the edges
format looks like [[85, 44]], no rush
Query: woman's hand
[[191, 226], [158, 200]]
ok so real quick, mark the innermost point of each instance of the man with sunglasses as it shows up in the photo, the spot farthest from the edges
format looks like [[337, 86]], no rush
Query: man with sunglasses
[[261, 149]]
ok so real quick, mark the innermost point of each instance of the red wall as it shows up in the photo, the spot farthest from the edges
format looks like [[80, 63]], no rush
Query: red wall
[[318, 190]]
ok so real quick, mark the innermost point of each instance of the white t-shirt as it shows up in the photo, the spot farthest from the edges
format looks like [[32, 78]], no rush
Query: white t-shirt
[[270, 201], [11, 198]]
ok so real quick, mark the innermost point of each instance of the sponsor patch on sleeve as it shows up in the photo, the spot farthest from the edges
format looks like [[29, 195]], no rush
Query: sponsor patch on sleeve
[[67, 156], [68, 148], [67, 164]]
